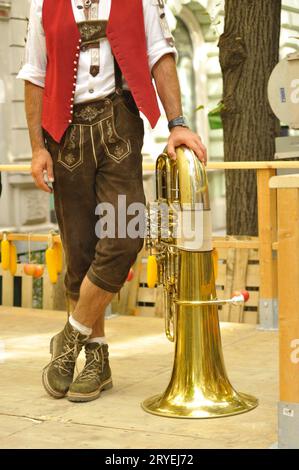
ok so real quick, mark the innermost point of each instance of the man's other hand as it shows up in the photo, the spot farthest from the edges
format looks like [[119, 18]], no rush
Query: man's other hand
[[42, 163], [184, 136]]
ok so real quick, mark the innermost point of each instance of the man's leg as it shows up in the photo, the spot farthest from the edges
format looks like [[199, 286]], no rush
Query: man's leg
[[98, 329], [114, 255], [75, 203], [90, 308]]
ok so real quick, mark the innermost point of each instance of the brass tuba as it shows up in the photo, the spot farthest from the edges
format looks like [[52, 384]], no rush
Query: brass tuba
[[199, 386]]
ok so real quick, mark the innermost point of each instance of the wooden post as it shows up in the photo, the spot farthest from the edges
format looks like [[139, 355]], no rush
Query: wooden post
[[288, 297], [27, 287], [7, 288], [267, 226], [48, 292]]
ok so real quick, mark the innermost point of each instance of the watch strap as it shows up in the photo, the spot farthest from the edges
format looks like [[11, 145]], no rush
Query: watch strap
[[178, 121]]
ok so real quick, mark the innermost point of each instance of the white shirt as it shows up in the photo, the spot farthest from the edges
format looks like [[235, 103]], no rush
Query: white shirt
[[34, 68]]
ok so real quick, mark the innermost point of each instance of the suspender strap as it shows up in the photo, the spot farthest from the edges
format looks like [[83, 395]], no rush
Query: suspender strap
[[118, 78]]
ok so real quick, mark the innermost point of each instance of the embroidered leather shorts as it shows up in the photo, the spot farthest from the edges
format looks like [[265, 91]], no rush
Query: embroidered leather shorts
[[98, 159]]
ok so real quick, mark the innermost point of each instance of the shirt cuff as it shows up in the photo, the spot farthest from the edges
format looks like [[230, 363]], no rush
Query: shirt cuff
[[159, 50], [32, 74]]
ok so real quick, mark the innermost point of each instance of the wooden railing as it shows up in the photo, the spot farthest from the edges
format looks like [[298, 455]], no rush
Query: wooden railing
[[265, 242]]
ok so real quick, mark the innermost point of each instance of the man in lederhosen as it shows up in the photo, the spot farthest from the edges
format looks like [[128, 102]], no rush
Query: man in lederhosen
[[88, 73]]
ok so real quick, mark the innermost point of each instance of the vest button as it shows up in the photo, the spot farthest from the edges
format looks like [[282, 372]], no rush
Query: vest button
[[91, 90]]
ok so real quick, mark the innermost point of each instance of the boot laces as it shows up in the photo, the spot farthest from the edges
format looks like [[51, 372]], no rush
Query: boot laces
[[94, 365], [65, 361]]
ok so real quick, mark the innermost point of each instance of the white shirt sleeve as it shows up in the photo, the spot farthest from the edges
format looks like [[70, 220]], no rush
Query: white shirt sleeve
[[157, 45], [34, 68]]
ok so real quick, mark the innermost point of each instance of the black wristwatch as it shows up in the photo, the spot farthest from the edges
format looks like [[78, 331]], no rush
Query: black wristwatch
[[178, 121]]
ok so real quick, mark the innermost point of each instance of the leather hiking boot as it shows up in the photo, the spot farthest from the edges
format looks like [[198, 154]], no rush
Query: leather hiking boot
[[65, 348], [95, 377]]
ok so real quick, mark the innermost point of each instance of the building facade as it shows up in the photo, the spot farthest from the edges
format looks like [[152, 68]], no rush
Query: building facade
[[196, 25]]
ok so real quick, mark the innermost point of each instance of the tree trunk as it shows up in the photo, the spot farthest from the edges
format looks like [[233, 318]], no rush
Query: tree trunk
[[249, 50]]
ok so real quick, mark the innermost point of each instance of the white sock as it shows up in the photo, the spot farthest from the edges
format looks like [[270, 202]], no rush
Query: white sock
[[98, 339], [84, 330]]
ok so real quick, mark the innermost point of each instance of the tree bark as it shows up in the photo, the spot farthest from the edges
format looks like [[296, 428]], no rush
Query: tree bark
[[249, 50]]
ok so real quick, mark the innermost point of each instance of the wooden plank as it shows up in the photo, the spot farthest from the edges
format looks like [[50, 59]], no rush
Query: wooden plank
[[145, 294], [119, 303], [222, 253], [34, 237], [228, 286], [253, 255], [285, 181], [253, 300], [134, 284], [160, 307], [254, 165], [126, 302], [288, 293], [48, 292], [240, 165], [235, 243], [267, 223], [143, 271], [7, 288], [222, 273], [239, 283], [143, 311], [250, 317], [15, 168], [248, 243], [27, 291], [253, 275]]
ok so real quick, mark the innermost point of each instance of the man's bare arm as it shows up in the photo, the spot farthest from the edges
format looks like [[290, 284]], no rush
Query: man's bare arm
[[168, 87], [33, 108], [41, 159]]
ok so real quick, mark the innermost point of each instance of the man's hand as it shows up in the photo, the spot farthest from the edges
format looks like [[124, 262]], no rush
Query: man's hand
[[41, 159], [184, 136], [41, 163]]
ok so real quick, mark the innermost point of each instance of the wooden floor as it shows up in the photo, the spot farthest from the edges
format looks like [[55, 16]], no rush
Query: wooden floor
[[141, 360]]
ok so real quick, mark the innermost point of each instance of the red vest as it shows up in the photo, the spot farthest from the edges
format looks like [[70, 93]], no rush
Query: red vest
[[126, 35]]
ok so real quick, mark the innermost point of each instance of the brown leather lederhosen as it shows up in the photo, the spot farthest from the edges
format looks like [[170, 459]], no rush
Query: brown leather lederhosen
[[98, 159]]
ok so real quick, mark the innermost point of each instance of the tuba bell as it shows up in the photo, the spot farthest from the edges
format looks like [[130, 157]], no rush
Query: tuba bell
[[185, 266]]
